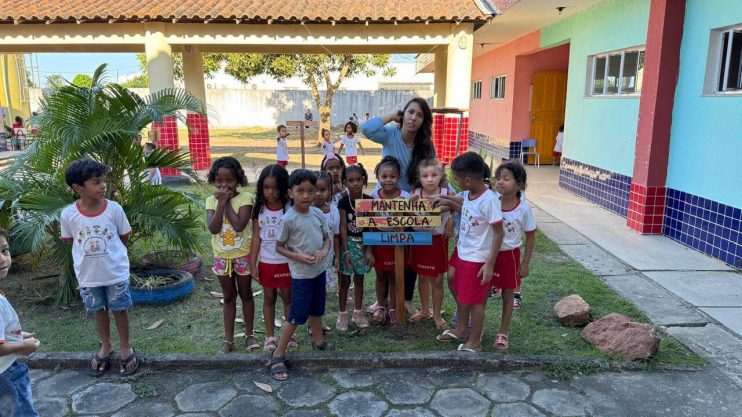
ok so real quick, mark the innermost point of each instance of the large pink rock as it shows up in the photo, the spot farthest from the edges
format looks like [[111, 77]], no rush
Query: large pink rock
[[616, 334], [572, 311]]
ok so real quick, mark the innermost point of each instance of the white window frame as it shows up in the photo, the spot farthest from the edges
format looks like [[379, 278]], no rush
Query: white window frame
[[476, 90], [591, 64], [715, 68], [497, 87]]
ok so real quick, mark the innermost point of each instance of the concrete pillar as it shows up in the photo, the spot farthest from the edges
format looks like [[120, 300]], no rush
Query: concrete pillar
[[160, 72], [439, 71], [198, 126], [458, 64], [661, 65]]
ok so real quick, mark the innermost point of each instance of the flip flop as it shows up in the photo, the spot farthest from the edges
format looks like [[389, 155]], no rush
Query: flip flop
[[501, 341], [447, 336], [125, 364], [105, 361], [420, 316], [461, 348], [442, 326]]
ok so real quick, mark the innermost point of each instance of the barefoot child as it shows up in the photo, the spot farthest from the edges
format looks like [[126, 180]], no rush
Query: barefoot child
[[353, 257], [282, 146], [304, 239], [480, 238], [332, 216], [227, 213], [510, 181], [388, 174], [98, 230], [268, 267], [15, 385], [431, 262], [350, 142], [333, 164]]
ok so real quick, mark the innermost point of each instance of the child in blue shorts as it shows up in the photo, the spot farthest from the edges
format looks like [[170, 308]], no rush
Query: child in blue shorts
[[304, 239], [15, 385], [98, 230]]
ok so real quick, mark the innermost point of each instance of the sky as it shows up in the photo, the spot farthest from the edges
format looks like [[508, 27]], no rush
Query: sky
[[120, 65]]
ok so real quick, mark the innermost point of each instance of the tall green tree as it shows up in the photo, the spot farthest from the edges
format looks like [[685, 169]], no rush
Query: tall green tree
[[55, 81], [83, 80], [98, 122]]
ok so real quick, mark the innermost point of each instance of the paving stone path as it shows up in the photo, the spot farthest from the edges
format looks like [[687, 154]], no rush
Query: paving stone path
[[386, 392]]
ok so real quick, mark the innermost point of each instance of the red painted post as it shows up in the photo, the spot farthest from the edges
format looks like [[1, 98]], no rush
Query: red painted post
[[661, 65]]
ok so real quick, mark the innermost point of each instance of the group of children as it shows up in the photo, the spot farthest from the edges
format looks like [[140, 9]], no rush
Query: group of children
[[350, 142], [304, 239]]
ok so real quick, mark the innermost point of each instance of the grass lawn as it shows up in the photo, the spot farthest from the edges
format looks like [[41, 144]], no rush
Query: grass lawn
[[194, 325]]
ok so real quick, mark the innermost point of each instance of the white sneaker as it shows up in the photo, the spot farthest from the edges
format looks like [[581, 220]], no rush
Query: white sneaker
[[360, 319], [342, 322]]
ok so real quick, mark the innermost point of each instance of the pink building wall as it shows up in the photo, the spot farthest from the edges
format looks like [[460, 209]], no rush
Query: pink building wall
[[508, 119]]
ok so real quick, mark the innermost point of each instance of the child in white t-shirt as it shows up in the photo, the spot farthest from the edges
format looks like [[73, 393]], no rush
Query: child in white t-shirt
[[350, 142], [98, 230], [154, 176], [480, 238], [15, 385], [282, 146]]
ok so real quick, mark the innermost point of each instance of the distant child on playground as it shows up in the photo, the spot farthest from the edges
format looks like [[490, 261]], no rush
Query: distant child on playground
[[154, 176], [353, 260], [480, 238], [332, 216], [282, 146], [510, 182], [333, 164], [268, 267], [98, 230], [557, 153], [15, 384], [328, 147], [387, 173], [304, 239], [350, 142], [227, 213], [431, 262]]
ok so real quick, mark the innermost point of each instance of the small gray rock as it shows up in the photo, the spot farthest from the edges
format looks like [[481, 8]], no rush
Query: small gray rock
[[62, 384], [407, 392], [413, 412], [206, 396], [254, 405], [305, 393], [561, 402], [503, 388], [456, 402], [146, 409], [516, 410], [51, 406], [357, 404], [103, 397]]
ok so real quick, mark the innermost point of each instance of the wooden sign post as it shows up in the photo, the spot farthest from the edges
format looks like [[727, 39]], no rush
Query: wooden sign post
[[301, 125], [391, 216]]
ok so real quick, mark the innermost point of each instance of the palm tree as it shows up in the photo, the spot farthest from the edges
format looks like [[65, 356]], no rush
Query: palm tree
[[98, 122]]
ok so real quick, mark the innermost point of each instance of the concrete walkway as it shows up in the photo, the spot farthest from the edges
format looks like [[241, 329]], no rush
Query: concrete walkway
[[698, 299], [385, 392]]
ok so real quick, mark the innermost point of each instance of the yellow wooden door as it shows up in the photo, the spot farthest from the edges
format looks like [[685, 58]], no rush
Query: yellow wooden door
[[548, 99]]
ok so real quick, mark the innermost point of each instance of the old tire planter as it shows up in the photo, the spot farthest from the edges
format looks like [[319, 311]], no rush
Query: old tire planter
[[167, 293], [158, 260]]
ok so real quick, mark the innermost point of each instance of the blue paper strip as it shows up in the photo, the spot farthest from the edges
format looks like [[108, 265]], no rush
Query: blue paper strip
[[397, 238]]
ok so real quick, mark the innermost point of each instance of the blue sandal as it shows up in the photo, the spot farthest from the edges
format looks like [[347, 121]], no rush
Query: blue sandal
[[277, 365]]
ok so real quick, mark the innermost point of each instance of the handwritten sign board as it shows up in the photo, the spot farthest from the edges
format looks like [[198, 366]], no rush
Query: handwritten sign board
[[396, 206], [397, 238], [398, 221]]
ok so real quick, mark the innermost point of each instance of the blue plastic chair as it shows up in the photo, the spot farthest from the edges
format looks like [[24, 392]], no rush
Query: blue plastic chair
[[525, 145]]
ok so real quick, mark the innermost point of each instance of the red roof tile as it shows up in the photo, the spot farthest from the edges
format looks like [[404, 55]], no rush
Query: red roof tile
[[257, 10]]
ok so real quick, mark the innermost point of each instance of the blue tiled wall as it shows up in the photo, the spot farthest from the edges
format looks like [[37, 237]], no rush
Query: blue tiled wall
[[604, 188], [705, 225]]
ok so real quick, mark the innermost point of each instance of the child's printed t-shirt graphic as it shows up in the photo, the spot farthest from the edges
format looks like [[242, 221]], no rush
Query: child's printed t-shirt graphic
[[99, 256], [229, 243], [269, 222], [476, 234]]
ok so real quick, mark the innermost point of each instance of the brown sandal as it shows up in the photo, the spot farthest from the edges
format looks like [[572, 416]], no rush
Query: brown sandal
[[227, 346], [251, 342]]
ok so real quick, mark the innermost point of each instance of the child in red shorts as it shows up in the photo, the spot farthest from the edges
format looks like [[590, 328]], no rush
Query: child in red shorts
[[430, 261], [480, 237], [268, 267], [387, 173]]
